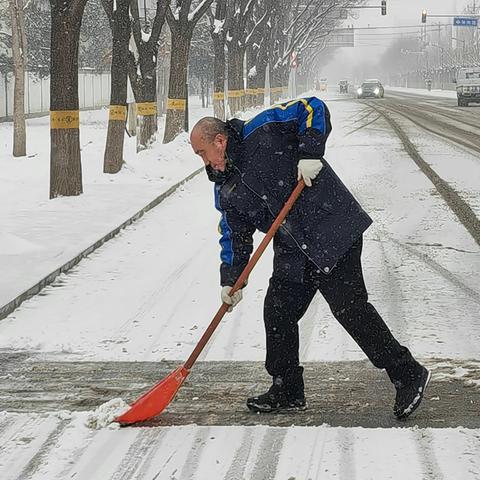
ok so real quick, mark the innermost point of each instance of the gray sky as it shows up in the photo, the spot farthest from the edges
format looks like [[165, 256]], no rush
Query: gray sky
[[399, 12]]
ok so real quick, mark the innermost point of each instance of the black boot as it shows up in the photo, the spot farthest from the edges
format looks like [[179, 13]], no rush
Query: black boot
[[410, 393], [410, 379], [285, 395]]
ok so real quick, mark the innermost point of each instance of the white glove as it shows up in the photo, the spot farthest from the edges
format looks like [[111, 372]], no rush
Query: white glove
[[308, 169], [231, 300]]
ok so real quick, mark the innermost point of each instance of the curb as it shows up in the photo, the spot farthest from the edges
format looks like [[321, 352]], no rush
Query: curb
[[32, 291]]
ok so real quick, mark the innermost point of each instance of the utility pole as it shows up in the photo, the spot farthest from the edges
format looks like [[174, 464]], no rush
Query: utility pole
[[475, 33]]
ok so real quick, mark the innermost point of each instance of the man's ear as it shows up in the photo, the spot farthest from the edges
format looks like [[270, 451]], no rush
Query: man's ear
[[220, 139]]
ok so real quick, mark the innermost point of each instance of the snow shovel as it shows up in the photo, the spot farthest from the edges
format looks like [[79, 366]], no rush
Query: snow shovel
[[153, 402]]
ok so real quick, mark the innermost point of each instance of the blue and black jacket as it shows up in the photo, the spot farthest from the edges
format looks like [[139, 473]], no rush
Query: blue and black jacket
[[263, 154]]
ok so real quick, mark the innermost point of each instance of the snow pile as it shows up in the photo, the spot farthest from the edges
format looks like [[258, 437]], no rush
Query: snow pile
[[106, 413]]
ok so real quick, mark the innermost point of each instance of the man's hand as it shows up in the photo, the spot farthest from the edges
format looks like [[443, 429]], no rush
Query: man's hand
[[308, 169], [231, 300]]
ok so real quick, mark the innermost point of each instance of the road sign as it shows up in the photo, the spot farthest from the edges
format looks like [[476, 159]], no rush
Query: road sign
[[341, 37], [465, 22]]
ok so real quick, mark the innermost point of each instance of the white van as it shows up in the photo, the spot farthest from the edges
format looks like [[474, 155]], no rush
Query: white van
[[468, 86]]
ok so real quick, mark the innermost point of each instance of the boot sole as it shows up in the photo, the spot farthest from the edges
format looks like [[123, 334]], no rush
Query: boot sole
[[262, 409], [416, 403]]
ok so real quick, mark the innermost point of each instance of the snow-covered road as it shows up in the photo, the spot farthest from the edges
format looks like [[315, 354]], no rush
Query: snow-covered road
[[148, 294]]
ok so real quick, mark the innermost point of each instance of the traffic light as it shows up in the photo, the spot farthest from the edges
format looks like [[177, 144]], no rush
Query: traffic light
[[384, 7], [424, 16]]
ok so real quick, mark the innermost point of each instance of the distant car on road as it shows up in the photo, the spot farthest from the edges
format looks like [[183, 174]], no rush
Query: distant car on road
[[468, 86], [370, 89], [343, 86], [323, 84]]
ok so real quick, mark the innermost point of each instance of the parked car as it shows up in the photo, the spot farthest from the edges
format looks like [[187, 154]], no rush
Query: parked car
[[370, 89], [468, 86]]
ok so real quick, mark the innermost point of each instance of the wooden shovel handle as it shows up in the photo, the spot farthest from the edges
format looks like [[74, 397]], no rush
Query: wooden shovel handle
[[246, 272]]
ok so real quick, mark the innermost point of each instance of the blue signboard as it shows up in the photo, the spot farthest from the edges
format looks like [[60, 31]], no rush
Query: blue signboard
[[465, 22]]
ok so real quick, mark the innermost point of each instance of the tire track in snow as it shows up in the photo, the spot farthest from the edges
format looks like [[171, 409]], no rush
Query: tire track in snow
[[12, 427], [396, 313], [44, 451], [269, 454], [239, 462], [135, 456], [171, 319], [442, 271], [346, 444], [150, 454], [19, 444], [193, 456], [77, 453], [5, 425], [452, 198], [426, 454], [153, 296], [473, 452], [316, 454]]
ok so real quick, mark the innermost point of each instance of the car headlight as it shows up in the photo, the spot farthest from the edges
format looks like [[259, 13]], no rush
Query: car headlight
[[359, 91], [376, 91]]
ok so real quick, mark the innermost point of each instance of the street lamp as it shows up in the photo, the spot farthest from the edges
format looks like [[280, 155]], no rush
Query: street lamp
[[424, 16]]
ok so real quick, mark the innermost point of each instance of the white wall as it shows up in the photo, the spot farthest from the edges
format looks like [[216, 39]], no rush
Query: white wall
[[93, 91]]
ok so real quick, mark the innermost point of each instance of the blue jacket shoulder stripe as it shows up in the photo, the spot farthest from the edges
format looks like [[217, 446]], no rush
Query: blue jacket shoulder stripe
[[306, 112]]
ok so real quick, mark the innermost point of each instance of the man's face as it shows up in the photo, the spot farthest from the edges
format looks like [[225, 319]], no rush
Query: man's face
[[212, 153]]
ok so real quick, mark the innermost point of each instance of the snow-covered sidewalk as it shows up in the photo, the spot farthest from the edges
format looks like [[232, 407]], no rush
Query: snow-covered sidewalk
[[39, 235]]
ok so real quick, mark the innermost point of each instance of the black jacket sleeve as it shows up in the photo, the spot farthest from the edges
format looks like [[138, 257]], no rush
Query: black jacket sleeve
[[236, 244]]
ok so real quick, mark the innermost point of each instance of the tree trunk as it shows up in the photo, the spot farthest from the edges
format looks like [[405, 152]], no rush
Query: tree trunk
[[146, 105], [251, 91], [278, 82], [65, 161], [175, 120], [262, 61], [202, 90], [132, 119], [19, 51], [219, 78], [113, 158], [236, 93]]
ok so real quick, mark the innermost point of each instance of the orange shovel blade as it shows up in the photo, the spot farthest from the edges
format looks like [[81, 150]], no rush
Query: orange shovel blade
[[155, 401]]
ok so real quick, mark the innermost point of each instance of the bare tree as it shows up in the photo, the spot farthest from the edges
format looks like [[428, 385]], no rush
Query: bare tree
[[142, 63], [113, 158], [246, 17], [218, 32], [182, 23], [300, 27], [65, 160], [19, 51]]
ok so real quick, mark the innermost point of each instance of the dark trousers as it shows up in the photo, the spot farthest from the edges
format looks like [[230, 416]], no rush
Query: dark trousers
[[345, 292]]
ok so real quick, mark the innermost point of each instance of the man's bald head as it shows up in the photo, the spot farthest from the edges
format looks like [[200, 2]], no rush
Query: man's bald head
[[209, 140], [209, 127]]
